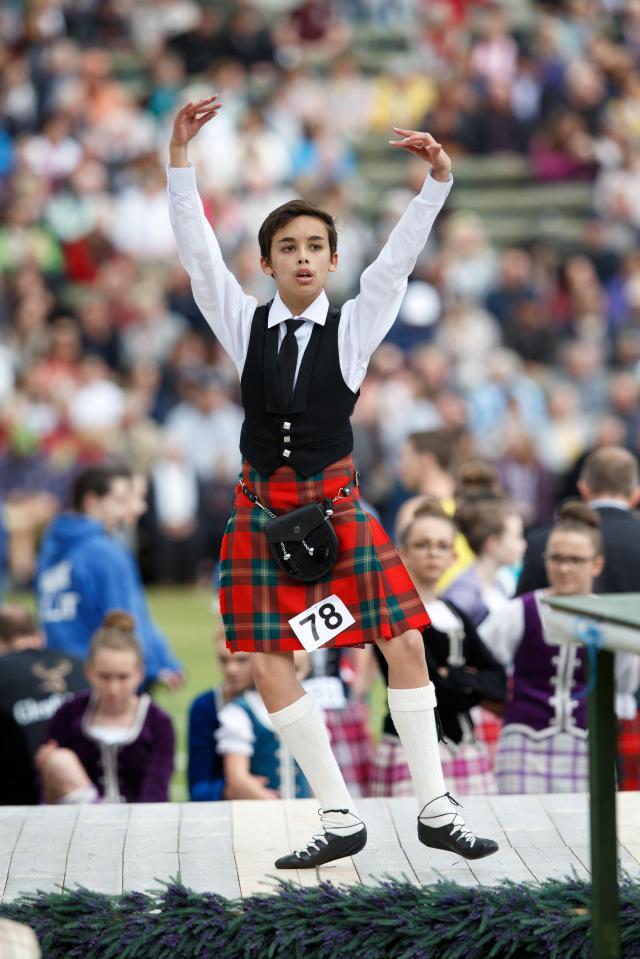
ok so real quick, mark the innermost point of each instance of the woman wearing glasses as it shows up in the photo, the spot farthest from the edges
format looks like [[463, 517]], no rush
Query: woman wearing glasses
[[542, 746]]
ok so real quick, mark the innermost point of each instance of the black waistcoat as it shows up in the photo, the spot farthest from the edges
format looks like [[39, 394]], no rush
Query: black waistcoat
[[315, 430]]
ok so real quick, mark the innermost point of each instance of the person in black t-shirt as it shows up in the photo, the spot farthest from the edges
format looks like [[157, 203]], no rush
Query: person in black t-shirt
[[34, 682]]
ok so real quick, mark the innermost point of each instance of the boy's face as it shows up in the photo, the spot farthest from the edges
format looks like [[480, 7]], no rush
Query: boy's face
[[300, 259], [235, 667]]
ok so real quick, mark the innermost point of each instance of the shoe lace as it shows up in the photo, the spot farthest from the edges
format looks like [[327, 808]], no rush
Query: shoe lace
[[457, 824], [320, 839], [315, 843]]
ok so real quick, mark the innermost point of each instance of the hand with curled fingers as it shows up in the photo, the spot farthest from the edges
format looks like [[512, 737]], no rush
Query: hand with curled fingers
[[424, 146], [188, 121]]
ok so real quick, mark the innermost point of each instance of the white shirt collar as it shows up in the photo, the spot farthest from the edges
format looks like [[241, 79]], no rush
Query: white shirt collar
[[599, 503], [316, 311]]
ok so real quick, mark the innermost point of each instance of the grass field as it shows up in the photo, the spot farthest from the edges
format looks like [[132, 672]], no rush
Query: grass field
[[187, 617]]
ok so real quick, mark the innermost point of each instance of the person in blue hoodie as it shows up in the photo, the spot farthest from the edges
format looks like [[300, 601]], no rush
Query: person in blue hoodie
[[161, 664], [83, 572]]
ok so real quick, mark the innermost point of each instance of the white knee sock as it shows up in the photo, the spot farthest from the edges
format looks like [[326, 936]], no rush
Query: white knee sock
[[303, 730], [413, 714]]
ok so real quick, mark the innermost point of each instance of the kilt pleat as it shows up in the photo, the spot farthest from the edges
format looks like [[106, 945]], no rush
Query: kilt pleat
[[257, 600], [553, 764], [352, 746], [465, 767]]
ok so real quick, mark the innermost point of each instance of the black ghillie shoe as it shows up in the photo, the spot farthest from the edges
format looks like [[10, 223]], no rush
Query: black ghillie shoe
[[324, 847], [455, 836]]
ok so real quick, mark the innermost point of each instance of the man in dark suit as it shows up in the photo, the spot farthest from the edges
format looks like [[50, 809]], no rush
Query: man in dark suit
[[610, 483]]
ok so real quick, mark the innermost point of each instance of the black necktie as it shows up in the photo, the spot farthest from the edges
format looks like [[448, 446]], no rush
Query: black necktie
[[287, 361]]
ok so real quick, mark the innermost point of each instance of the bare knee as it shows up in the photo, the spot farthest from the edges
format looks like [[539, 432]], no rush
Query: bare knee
[[275, 678], [406, 659], [62, 773], [267, 668]]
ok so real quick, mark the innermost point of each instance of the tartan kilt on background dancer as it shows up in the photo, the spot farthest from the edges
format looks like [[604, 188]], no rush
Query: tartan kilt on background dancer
[[301, 363]]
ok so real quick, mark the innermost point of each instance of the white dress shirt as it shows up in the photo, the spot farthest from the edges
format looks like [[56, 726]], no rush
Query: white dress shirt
[[364, 321]]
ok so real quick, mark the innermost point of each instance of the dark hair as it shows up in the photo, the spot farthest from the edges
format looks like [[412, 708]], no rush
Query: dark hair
[[576, 517], [440, 443], [16, 622], [289, 211], [117, 632], [478, 520], [96, 480], [611, 469], [430, 508], [478, 480]]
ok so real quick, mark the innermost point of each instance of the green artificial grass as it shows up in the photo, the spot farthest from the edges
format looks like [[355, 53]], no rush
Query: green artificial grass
[[188, 619], [392, 920]]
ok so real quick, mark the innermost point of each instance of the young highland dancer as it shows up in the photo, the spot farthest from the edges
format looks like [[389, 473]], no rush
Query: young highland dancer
[[543, 743], [301, 363]]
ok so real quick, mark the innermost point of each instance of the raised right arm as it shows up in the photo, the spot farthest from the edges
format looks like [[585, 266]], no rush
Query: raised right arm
[[222, 302]]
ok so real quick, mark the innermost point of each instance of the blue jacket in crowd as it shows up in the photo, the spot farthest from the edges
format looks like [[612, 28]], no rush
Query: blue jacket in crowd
[[82, 574], [205, 770]]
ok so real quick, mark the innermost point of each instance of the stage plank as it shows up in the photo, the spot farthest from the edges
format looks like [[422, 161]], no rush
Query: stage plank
[[628, 818], [383, 857], [40, 855], [569, 813], [96, 848], [525, 821], [12, 821], [207, 862], [150, 852], [551, 863], [260, 836], [627, 862], [634, 852], [230, 848]]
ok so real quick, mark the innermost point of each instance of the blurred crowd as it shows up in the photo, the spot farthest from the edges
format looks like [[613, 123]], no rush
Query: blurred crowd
[[527, 356]]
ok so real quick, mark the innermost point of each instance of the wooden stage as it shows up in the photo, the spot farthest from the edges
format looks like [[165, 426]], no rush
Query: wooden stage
[[229, 848]]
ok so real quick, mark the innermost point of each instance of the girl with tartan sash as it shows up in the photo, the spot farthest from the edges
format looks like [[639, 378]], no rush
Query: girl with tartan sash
[[301, 363], [463, 670]]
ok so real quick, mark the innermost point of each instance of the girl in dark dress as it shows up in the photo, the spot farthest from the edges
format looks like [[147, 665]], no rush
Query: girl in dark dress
[[109, 743], [462, 669]]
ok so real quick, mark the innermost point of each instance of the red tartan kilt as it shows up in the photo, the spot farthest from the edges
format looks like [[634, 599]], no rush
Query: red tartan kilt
[[257, 600], [629, 754]]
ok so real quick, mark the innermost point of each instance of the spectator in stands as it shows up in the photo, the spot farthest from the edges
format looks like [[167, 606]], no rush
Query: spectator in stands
[[543, 743], [34, 682], [109, 744], [83, 572], [205, 767], [610, 484], [494, 532], [161, 664], [234, 751], [426, 467], [462, 669]]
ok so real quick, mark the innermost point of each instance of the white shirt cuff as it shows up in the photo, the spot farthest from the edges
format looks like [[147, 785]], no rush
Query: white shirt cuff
[[182, 179], [435, 191]]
